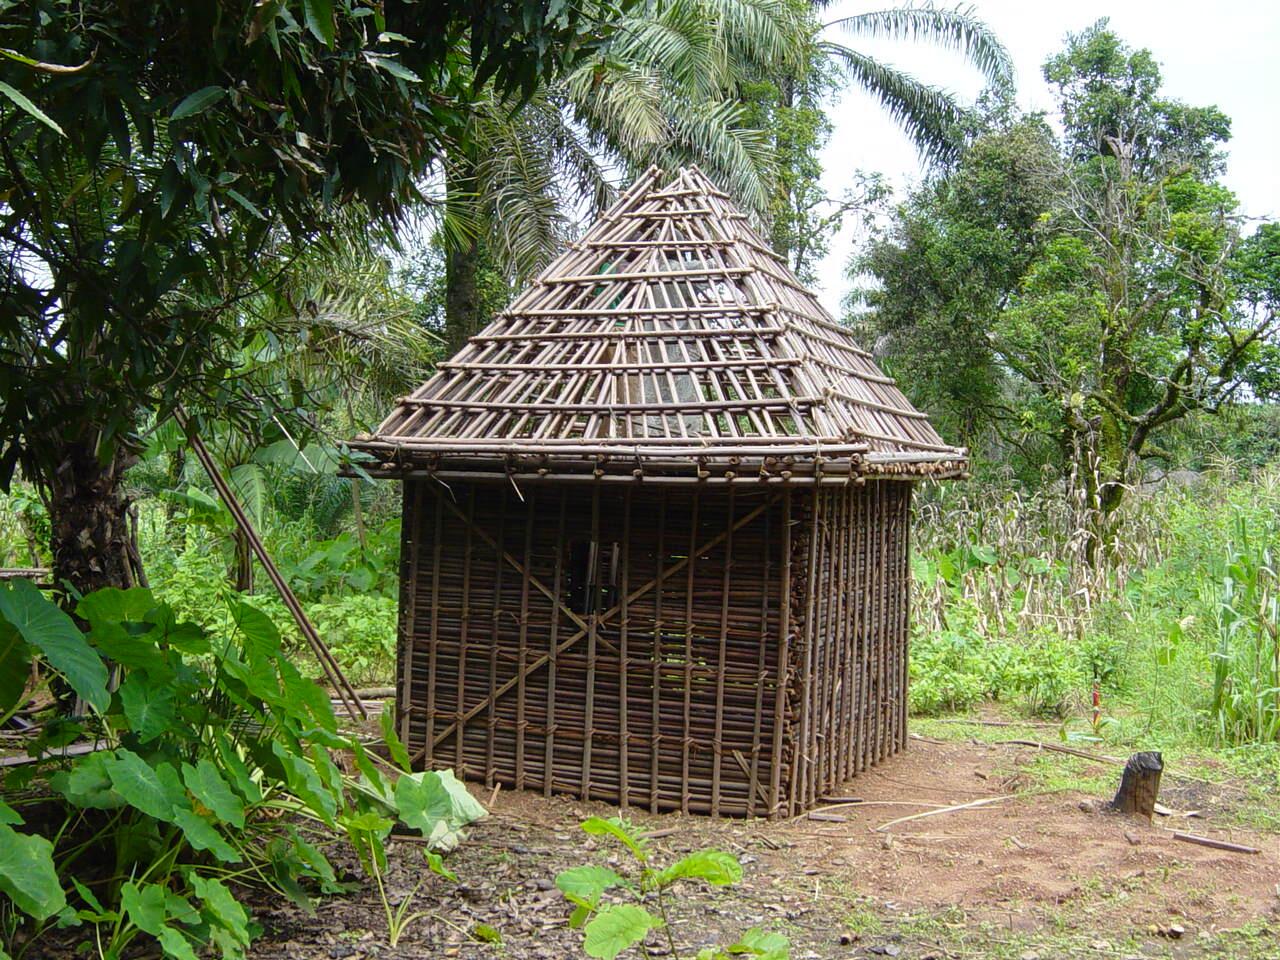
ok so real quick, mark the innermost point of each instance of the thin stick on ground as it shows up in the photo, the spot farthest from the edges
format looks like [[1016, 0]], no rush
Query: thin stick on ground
[[972, 804]]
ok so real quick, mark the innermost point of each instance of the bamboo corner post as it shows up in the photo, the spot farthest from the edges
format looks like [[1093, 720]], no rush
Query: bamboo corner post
[[1139, 785]]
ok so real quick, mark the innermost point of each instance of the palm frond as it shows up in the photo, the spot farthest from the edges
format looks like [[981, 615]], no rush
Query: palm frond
[[677, 41], [620, 102], [712, 134], [957, 28], [771, 34], [579, 157], [930, 116], [517, 181]]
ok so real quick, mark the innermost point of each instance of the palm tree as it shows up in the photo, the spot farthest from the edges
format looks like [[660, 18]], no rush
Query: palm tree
[[668, 90], [930, 116], [664, 92]]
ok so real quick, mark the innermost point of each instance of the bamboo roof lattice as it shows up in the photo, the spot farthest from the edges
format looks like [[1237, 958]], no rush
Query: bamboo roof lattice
[[668, 343]]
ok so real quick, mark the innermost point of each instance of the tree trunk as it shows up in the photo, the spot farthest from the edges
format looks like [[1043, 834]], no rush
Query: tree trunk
[[1139, 785], [242, 570], [462, 263], [462, 296], [88, 512], [177, 466]]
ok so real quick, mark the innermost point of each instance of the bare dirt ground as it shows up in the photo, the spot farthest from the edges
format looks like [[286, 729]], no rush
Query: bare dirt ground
[[1031, 877]]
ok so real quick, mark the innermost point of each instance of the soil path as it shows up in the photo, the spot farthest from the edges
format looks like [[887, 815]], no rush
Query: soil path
[[1036, 868]]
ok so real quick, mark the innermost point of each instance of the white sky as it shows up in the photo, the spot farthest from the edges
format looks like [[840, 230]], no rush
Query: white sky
[[1221, 53]]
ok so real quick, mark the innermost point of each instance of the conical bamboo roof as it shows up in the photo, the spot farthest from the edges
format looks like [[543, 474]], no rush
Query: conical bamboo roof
[[668, 342]]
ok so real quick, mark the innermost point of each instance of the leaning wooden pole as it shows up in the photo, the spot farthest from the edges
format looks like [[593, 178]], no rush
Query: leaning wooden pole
[[346, 693]]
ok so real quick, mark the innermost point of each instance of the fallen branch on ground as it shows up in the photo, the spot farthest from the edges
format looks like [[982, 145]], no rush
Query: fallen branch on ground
[[985, 801], [1216, 844], [869, 803], [1058, 748]]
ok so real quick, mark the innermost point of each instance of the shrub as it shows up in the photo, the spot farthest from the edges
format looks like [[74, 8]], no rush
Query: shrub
[[215, 771], [611, 928], [361, 632]]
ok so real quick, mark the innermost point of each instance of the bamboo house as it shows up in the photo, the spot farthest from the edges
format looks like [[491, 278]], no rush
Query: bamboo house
[[656, 520]]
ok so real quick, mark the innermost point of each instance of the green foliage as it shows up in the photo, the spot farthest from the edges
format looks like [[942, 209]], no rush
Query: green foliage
[[215, 769], [1061, 303], [337, 566], [931, 117], [361, 632], [1176, 628], [167, 163], [32, 620], [24, 528], [612, 928], [27, 874], [1245, 705]]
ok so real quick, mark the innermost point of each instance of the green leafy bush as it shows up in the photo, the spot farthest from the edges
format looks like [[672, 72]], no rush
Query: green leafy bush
[[611, 928], [955, 668], [360, 628], [341, 564], [361, 632], [215, 771]]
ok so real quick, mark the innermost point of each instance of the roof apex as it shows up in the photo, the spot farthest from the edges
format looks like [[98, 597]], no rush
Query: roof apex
[[668, 339]]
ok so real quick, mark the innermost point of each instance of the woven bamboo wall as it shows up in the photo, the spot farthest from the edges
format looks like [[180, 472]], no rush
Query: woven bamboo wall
[[667, 696]]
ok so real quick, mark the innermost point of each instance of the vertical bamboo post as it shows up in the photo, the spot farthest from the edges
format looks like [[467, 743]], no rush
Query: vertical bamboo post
[[859, 589], [875, 633], [460, 722], [812, 651], [624, 662], [549, 755], [685, 738], [530, 512], [819, 712], [411, 512], [495, 643], [871, 633], [840, 698], [894, 634], [883, 624], [655, 739], [593, 619], [433, 640], [782, 678], [857, 551], [762, 650], [904, 681], [717, 745], [835, 641]]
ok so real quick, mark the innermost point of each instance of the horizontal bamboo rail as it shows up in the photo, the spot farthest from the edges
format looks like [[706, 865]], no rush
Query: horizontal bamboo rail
[[666, 405]]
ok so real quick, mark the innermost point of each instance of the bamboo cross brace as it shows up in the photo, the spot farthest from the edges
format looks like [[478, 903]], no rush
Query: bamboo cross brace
[[519, 567], [540, 661]]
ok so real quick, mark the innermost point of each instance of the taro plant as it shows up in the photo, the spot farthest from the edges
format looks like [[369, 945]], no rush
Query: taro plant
[[609, 928], [213, 771]]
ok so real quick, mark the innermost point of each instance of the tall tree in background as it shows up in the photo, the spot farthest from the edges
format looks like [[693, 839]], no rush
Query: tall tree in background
[[160, 162], [789, 105], [1092, 291]]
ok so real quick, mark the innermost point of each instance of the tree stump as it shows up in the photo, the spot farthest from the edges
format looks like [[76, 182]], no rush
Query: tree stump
[[1139, 785]]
